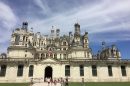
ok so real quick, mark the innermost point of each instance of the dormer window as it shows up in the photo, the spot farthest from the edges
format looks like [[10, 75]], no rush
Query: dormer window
[[64, 43], [50, 49], [64, 48]]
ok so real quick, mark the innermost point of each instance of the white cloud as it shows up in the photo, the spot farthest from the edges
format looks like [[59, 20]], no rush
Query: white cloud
[[96, 17], [7, 16], [43, 5], [7, 21]]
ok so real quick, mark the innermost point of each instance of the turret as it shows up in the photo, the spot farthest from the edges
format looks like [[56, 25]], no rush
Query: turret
[[77, 39], [25, 26], [52, 32], [77, 29], [118, 54], [57, 33], [114, 51], [70, 38], [85, 40]]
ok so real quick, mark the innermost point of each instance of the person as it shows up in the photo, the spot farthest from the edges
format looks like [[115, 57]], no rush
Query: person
[[31, 82], [51, 80], [83, 84], [62, 82], [58, 80], [48, 81], [66, 82], [45, 79], [55, 82]]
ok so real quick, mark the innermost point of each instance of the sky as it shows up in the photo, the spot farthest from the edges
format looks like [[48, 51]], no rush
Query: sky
[[104, 20]]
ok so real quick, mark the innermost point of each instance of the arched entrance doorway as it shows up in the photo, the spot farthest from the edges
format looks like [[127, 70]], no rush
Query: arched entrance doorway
[[48, 72]]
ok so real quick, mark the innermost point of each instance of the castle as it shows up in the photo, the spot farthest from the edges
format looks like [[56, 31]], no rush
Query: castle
[[33, 55]]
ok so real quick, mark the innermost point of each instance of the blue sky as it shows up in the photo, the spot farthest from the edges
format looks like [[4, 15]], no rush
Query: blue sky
[[105, 20]]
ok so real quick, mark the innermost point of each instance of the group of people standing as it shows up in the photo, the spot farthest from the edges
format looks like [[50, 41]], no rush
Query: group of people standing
[[53, 82], [62, 81]]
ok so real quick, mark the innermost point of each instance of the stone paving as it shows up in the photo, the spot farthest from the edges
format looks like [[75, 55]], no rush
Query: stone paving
[[46, 84]]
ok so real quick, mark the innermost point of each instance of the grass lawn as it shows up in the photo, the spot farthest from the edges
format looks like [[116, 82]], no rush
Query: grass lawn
[[102, 84], [14, 84], [77, 84]]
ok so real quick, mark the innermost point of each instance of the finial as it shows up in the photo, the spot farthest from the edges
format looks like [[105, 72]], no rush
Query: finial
[[77, 20]]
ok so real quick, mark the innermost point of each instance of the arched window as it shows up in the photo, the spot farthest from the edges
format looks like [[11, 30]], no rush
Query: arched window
[[31, 67], [64, 43], [3, 70], [67, 70], [64, 48]]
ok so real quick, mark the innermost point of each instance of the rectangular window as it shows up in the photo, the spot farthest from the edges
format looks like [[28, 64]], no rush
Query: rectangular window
[[60, 56], [123, 70], [31, 67], [94, 70], [20, 70], [64, 56], [26, 39], [110, 70], [67, 70], [81, 70], [3, 70], [55, 56]]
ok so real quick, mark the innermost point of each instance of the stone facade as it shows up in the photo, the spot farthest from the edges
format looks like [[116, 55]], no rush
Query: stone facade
[[33, 55]]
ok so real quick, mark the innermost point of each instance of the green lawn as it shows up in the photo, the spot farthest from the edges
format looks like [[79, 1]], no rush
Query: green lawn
[[102, 84], [77, 84], [14, 84]]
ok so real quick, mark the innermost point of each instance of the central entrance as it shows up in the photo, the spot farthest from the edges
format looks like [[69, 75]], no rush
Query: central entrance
[[48, 72]]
